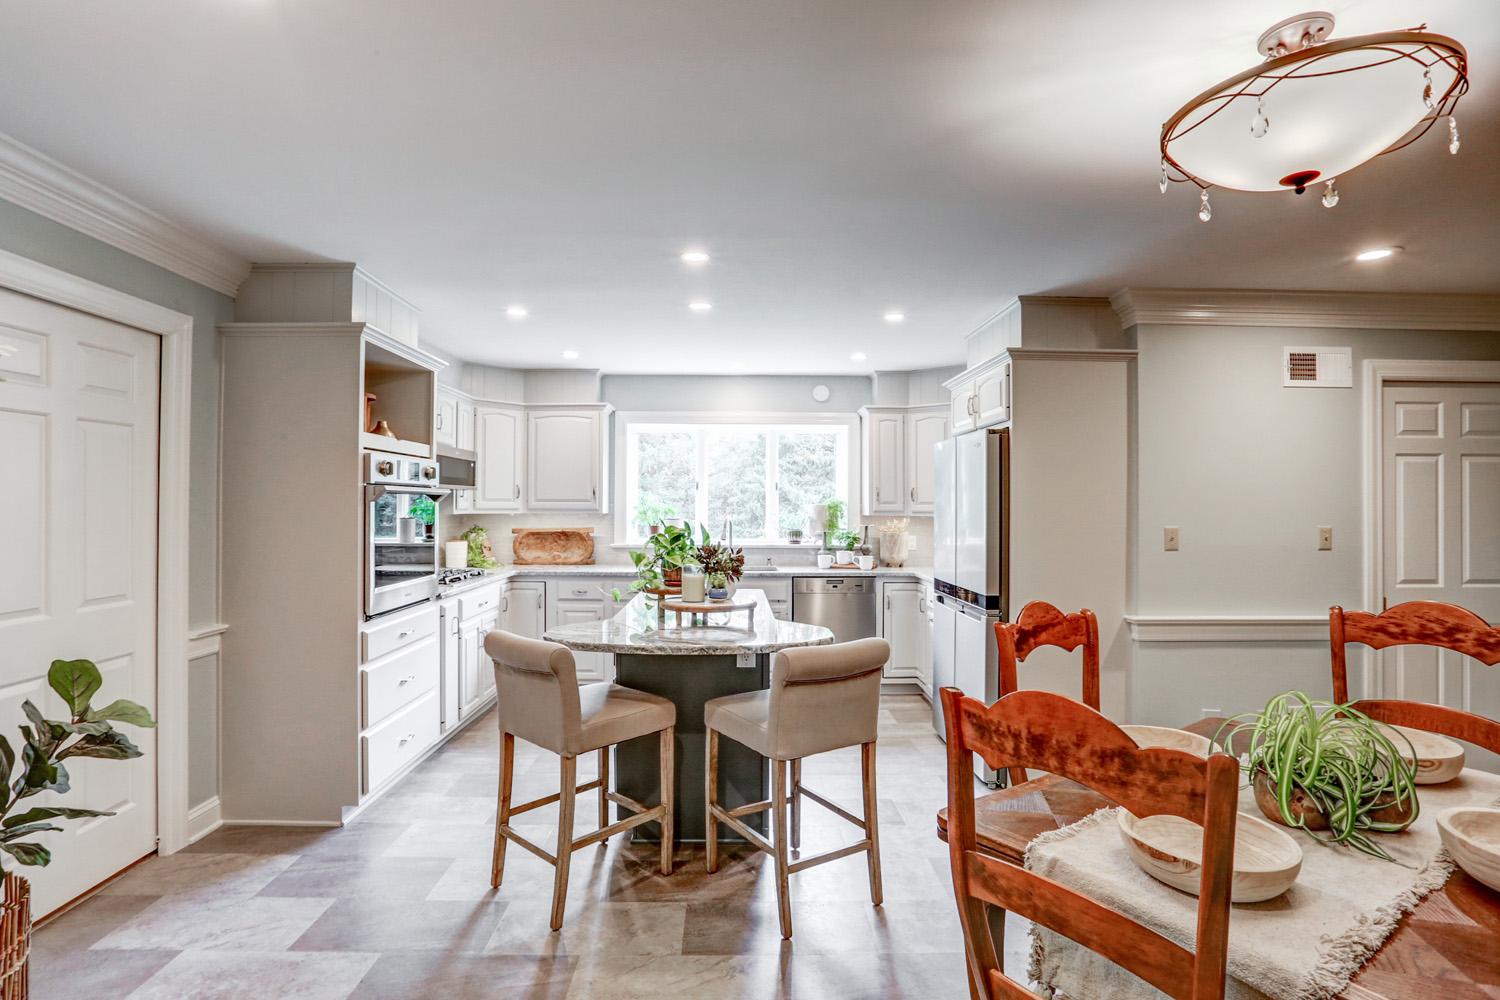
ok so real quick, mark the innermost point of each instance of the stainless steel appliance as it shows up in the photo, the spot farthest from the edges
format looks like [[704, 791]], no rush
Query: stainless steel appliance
[[401, 531], [846, 605], [971, 537], [457, 469]]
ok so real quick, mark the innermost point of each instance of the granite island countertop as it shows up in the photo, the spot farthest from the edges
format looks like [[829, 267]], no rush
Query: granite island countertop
[[638, 629], [619, 571]]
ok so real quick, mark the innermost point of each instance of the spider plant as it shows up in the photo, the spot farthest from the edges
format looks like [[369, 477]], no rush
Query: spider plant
[[1343, 763]]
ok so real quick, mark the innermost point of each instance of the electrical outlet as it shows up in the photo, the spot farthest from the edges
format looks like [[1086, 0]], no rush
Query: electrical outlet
[[1170, 539], [1325, 538]]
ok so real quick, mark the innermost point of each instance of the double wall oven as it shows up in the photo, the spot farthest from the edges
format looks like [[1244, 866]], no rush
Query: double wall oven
[[401, 531]]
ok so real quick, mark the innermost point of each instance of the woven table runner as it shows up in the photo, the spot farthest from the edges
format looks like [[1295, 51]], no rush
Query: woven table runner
[[1303, 945]]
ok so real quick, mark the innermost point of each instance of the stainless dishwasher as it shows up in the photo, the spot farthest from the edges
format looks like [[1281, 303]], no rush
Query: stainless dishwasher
[[847, 605]]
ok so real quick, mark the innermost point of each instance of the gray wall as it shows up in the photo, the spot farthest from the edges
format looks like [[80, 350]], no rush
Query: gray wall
[[29, 235], [736, 393], [1248, 470]]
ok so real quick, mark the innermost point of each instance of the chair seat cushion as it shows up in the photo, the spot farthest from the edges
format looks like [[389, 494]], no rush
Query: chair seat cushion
[[744, 718], [612, 714]]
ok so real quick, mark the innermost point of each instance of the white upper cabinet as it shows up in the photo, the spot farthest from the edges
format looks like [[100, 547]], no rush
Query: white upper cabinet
[[500, 440], [446, 422], [961, 413], [925, 427], [464, 430], [565, 457], [897, 452], [981, 396]]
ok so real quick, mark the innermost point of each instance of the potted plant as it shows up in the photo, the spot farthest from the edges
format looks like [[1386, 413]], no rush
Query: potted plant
[[835, 518], [792, 524], [719, 559], [1319, 766], [480, 554], [845, 542], [652, 514], [48, 743], [718, 587]]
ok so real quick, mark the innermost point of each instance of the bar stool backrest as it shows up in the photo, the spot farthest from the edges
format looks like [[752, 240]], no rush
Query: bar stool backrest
[[537, 685], [825, 697]]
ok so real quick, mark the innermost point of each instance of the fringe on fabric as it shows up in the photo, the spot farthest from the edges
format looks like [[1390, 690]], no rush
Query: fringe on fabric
[[1038, 950]]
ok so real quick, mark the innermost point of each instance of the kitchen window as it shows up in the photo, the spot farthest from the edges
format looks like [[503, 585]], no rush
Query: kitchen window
[[763, 473]]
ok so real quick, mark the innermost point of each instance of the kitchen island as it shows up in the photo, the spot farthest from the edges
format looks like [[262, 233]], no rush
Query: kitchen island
[[690, 664]]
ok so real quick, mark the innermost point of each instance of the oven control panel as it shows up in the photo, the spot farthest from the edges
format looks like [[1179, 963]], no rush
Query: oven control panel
[[384, 467]]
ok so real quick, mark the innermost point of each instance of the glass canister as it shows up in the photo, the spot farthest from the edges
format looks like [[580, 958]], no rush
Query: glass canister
[[694, 590]]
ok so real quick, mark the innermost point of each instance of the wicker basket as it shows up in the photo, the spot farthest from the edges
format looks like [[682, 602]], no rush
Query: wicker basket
[[15, 938]]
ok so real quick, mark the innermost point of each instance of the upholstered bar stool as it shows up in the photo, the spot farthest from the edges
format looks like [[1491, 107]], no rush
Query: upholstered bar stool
[[541, 702], [821, 698]]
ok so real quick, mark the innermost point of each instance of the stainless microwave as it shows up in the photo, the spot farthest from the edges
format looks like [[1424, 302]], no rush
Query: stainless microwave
[[457, 468]]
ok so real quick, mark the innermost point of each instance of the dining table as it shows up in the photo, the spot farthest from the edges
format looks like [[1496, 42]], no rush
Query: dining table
[[1446, 948]]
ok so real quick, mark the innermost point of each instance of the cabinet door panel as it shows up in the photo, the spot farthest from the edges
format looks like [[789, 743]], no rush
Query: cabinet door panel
[[463, 431], [885, 458], [501, 446], [961, 412], [563, 460], [576, 611], [992, 394], [447, 419], [902, 623], [923, 431], [525, 611]]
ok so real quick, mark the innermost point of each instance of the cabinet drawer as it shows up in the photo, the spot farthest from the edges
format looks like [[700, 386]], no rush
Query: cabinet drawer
[[399, 741], [391, 636], [399, 680], [478, 602]]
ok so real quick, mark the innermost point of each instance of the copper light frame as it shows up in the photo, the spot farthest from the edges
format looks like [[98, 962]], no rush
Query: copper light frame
[[1384, 49]]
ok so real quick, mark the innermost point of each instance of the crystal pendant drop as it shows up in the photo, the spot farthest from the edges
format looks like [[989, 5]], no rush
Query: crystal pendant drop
[[1205, 210], [1161, 184], [1452, 134], [1427, 89], [1330, 194], [1260, 123]]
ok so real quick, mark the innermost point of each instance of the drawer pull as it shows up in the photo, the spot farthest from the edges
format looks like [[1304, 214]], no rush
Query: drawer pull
[[407, 739], [580, 591], [403, 635], [406, 680]]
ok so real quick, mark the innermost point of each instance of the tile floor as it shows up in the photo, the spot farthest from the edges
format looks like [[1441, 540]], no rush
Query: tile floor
[[397, 904]]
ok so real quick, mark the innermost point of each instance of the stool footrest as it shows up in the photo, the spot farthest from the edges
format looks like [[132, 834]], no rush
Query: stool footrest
[[628, 802], [715, 813], [831, 807], [512, 835], [629, 823], [753, 807], [818, 859], [547, 800]]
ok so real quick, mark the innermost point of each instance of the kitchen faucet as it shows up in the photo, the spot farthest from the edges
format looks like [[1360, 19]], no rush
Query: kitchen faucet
[[728, 533]]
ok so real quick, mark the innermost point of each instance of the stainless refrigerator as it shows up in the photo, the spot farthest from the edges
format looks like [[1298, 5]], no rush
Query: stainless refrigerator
[[971, 535]]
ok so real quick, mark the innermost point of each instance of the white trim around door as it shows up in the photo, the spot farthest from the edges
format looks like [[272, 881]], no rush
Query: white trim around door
[[1378, 372], [176, 331]]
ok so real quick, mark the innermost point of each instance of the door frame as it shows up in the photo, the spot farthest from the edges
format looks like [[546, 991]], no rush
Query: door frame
[[1377, 373], [175, 329]]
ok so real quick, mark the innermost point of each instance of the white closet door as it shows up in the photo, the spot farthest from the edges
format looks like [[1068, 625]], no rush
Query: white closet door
[[1442, 530], [78, 443]]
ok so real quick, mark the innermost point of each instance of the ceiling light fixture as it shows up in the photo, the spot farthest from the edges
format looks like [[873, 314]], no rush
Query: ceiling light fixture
[[895, 316], [1314, 110], [695, 257], [700, 307], [1377, 253], [570, 355], [857, 356], [516, 312]]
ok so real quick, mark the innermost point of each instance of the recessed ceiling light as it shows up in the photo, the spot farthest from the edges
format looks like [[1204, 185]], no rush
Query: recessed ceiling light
[[894, 316], [570, 355], [1377, 253], [695, 257], [700, 307], [516, 312], [857, 356]]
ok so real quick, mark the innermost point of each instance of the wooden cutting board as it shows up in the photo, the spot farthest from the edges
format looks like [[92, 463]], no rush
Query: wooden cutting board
[[553, 546]]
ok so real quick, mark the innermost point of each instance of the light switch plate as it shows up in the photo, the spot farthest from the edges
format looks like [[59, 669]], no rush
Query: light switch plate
[[1169, 539], [1325, 538]]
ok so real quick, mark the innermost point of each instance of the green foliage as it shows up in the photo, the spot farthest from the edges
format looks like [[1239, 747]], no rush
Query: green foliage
[[651, 510], [848, 538], [475, 535], [423, 509], [1340, 758], [721, 560], [46, 746], [836, 509]]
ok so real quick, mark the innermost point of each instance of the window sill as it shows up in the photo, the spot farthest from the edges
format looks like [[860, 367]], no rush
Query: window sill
[[804, 547]]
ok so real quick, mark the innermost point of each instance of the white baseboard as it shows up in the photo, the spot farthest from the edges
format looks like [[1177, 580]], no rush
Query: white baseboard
[[203, 819], [316, 823]]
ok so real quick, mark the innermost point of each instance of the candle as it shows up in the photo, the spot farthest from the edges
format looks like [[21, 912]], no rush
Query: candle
[[693, 590]]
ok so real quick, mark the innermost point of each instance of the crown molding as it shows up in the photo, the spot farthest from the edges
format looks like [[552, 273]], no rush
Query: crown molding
[[40, 184], [1320, 310]]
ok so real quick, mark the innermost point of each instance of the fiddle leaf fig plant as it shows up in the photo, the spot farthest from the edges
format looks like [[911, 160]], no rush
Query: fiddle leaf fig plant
[[47, 743]]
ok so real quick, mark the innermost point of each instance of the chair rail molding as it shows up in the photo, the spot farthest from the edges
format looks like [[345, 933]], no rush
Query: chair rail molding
[[1228, 628], [172, 638], [1322, 310], [54, 191]]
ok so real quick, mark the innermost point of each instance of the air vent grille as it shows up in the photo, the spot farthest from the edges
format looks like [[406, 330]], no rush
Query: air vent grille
[[1302, 366], [1318, 367]]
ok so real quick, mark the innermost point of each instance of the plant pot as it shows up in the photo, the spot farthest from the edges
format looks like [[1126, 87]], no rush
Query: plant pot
[[655, 529], [1313, 818], [672, 577], [15, 938], [718, 593]]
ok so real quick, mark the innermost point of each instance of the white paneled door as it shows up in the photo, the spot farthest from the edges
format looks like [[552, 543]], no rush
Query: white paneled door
[[78, 443], [1441, 478]]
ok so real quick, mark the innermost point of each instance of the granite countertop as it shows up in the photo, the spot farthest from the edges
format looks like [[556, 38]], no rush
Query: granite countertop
[[637, 629], [624, 571]]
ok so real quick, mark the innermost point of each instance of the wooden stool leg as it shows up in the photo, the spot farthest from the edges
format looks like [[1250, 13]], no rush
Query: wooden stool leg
[[502, 806], [711, 799], [603, 791], [797, 803], [564, 838], [778, 808], [668, 776], [872, 825]]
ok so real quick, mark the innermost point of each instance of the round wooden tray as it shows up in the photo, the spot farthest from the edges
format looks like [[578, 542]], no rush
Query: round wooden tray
[[662, 591], [705, 607]]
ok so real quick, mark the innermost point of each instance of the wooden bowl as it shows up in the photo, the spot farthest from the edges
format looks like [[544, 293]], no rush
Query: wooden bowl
[[1174, 739], [1439, 759], [1472, 835], [1312, 817], [1170, 849]]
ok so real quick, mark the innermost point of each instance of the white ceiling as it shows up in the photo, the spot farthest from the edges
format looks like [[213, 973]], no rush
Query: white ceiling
[[837, 157]]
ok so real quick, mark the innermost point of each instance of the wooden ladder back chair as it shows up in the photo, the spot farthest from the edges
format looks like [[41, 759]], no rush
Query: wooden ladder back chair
[[1041, 624], [1422, 623], [1057, 734]]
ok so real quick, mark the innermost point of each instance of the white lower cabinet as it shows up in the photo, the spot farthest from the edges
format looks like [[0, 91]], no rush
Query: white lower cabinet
[[525, 605], [400, 740], [476, 676], [903, 624], [448, 610], [574, 601], [925, 664]]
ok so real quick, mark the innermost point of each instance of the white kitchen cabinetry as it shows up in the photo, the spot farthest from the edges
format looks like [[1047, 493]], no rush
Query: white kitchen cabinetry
[[463, 432], [925, 664], [575, 601], [897, 452], [478, 616], [499, 438], [400, 676], [449, 638], [566, 457], [903, 622], [445, 421], [981, 396], [525, 608]]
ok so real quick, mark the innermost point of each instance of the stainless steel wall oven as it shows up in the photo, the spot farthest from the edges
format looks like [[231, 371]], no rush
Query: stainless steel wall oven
[[401, 531]]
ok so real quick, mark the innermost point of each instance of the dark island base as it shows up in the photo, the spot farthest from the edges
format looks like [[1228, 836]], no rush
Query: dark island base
[[688, 682]]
